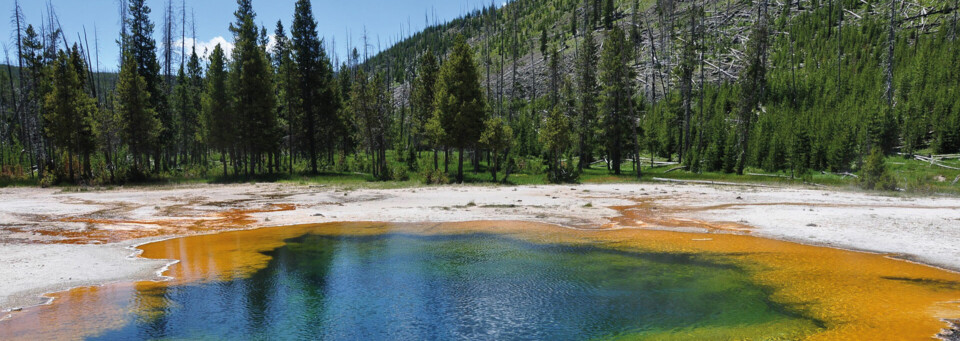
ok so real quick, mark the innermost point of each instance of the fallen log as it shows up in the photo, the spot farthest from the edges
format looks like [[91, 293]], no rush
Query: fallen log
[[707, 182], [769, 175], [675, 168], [846, 174], [934, 162]]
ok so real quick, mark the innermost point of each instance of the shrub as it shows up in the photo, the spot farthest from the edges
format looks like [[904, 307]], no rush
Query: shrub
[[566, 172], [399, 173], [49, 179], [434, 177], [874, 175]]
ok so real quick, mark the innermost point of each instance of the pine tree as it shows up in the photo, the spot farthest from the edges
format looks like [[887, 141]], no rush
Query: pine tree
[[557, 138], [106, 127], [685, 74], [573, 22], [69, 110], [554, 77], [251, 84], [543, 43], [752, 83], [35, 85], [459, 99], [318, 105], [219, 123], [422, 101], [371, 104], [140, 123], [184, 105], [587, 85], [616, 78], [139, 43], [195, 104], [287, 91], [597, 10], [608, 14], [875, 175], [498, 137], [86, 107], [436, 135]]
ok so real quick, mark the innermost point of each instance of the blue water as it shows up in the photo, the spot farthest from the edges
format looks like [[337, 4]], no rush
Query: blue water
[[477, 287]]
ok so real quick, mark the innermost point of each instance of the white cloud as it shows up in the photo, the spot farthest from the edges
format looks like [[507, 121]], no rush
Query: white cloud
[[271, 42], [205, 48]]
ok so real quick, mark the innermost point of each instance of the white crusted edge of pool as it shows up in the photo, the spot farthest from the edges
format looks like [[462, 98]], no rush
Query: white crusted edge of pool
[[921, 229]]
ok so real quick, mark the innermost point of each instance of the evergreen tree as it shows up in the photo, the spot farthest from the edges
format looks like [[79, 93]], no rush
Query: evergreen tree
[[219, 121], [422, 101], [587, 111], [35, 84], [608, 14], [139, 43], [554, 75], [318, 105], [69, 110], [752, 83], [140, 124], [800, 153], [616, 78], [543, 43], [195, 77], [252, 89], [106, 128], [346, 128], [498, 137], [186, 104], [573, 22], [557, 138], [596, 10], [287, 92], [875, 175], [685, 74], [436, 135], [371, 105], [459, 100]]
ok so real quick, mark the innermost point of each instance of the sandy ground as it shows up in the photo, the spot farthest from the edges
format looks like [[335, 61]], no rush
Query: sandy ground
[[52, 240]]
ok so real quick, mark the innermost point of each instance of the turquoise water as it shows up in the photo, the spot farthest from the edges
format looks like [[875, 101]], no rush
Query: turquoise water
[[406, 287]]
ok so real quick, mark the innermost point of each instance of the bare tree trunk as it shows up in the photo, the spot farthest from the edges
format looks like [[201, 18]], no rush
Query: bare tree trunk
[[703, 47], [655, 64], [956, 8], [891, 40], [839, 46], [686, 89]]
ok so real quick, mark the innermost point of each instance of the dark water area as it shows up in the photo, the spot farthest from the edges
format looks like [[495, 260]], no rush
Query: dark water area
[[478, 286]]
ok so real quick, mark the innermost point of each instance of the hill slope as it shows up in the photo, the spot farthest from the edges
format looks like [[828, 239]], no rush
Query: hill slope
[[824, 104]]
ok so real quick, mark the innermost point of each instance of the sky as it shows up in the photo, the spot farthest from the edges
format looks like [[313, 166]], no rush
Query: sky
[[337, 20]]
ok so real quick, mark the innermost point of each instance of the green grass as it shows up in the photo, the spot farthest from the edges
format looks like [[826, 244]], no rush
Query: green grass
[[7, 181], [913, 176], [921, 177]]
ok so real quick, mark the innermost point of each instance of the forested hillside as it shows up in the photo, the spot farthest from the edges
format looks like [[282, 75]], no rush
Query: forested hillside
[[829, 91], [559, 87]]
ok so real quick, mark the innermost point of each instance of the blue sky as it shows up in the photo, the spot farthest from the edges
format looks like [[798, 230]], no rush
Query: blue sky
[[335, 19]]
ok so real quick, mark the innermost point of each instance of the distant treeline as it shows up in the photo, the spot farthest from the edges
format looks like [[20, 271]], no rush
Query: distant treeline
[[717, 86]]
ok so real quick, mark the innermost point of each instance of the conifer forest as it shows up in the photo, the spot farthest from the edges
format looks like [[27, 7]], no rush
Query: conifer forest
[[562, 88]]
